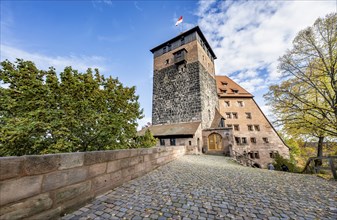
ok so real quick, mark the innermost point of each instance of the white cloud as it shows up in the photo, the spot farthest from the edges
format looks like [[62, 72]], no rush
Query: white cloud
[[42, 61], [249, 36]]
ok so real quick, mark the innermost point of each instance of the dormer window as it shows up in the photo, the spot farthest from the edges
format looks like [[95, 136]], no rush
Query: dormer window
[[224, 83], [223, 90], [164, 49], [235, 91]]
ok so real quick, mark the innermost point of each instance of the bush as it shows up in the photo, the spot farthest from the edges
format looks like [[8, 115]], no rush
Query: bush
[[279, 161]]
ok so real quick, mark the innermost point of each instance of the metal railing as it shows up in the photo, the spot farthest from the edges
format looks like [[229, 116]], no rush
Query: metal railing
[[318, 164]]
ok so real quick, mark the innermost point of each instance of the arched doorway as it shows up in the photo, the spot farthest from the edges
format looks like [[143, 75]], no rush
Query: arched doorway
[[215, 142]]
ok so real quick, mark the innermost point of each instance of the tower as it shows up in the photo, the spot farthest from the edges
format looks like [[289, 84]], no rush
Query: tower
[[184, 85]]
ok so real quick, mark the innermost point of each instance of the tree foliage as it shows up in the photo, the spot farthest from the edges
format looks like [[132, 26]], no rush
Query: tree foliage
[[41, 113], [306, 101]]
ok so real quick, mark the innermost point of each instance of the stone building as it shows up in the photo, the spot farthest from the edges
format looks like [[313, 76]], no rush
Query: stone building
[[190, 104]]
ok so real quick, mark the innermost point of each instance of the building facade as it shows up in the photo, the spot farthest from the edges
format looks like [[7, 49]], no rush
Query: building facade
[[192, 106]]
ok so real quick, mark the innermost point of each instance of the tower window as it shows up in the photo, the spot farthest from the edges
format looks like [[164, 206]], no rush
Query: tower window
[[250, 127], [248, 115], [227, 103], [172, 141], [228, 115], [237, 140], [253, 140], [257, 127], [190, 143], [265, 140], [182, 40], [244, 140], [236, 128], [167, 61]]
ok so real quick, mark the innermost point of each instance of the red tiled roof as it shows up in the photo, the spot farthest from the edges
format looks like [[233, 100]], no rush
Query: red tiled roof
[[184, 128], [228, 88]]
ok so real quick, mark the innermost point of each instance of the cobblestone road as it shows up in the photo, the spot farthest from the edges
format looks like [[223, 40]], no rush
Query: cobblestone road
[[213, 187]]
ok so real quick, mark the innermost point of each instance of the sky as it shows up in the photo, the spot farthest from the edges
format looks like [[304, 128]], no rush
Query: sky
[[247, 37]]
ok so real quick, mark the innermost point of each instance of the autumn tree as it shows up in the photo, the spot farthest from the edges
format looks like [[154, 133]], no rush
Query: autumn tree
[[306, 101], [43, 113]]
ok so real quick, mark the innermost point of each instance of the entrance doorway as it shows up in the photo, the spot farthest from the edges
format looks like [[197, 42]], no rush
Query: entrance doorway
[[215, 142]]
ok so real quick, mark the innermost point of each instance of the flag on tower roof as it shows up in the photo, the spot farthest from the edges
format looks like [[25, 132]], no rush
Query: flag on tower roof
[[179, 20]]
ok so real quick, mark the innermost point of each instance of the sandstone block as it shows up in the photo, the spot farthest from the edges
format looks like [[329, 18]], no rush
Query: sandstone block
[[116, 176], [123, 154], [10, 167], [145, 151], [94, 157], [124, 163], [71, 160], [63, 178], [134, 152], [101, 181], [113, 166], [110, 155], [70, 192], [97, 169], [14, 190], [41, 164], [136, 160], [53, 214], [27, 207]]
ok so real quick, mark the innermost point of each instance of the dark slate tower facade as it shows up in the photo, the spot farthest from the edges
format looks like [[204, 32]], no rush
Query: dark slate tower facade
[[184, 85]]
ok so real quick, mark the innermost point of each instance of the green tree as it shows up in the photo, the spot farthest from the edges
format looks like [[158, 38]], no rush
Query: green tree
[[40, 113], [306, 101], [147, 140]]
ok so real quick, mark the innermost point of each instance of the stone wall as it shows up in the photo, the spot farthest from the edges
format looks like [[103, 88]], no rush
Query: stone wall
[[176, 95], [47, 186]]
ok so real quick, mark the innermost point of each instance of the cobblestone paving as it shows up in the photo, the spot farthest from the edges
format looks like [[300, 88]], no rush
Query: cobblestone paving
[[213, 187]]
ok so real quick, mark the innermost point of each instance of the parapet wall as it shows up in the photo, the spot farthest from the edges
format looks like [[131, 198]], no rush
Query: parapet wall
[[47, 186]]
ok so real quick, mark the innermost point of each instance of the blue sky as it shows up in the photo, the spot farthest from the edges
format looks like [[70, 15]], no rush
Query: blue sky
[[116, 36]]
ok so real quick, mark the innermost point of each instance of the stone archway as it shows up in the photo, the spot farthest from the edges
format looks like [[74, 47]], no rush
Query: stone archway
[[215, 142]]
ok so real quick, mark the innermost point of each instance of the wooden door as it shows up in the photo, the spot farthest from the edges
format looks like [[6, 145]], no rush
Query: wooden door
[[215, 142]]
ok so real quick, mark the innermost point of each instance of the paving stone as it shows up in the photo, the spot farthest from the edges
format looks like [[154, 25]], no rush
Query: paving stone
[[213, 187]]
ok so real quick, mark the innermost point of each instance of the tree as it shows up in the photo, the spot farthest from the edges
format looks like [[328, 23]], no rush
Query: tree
[[147, 140], [306, 101], [40, 113]]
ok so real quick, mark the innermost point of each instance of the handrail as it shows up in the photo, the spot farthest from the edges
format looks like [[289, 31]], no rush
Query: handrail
[[315, 169], [238, 157]]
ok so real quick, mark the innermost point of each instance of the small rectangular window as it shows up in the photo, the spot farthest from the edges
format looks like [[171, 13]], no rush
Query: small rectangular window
[[229, 126], [222, 123], [162, 142], [235, 115], [190, 143], [244, 140], [228, 115], [169, 47], [172, 141], [237, 140], [227, 104], [253, 140], [167, 61], [240, 103], [164, 49], [257, 155], [248, 115], [236, 128], [265, 140], [257, 127], [182, 41], [250, 127]]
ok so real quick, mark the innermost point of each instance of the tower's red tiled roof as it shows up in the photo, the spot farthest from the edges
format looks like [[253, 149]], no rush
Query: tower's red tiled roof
[[228, 88]]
